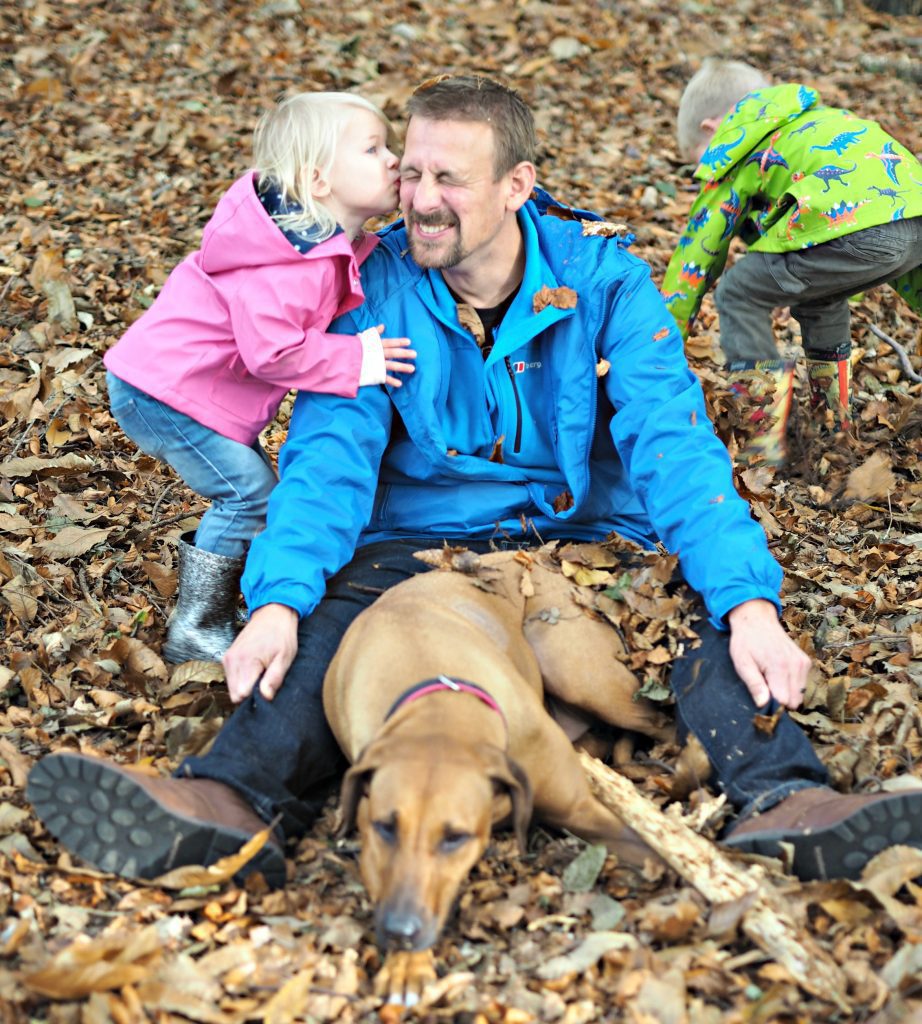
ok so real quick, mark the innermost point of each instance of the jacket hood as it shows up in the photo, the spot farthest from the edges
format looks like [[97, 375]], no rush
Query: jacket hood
[[241, 215], [754, 117]]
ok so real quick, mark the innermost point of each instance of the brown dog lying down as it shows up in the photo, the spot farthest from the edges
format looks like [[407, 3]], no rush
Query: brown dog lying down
[[435, 766]]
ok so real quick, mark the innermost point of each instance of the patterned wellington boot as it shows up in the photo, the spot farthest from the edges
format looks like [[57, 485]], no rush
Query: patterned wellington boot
[[830, 377], [201, 627], [765, 387]]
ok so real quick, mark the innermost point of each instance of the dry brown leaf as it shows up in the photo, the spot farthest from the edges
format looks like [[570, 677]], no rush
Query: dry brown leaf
[[586, 577], [872, 479], [221, 871], [288, 1003], [163, 579], [73, 541], [603, 229], [586, 954], [767, 723], [18, 594], [76, 982], [26, 467], [559, 298], [470, 321], [563, 502]]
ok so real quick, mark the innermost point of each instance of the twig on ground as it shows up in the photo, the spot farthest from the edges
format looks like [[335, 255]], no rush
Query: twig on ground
[[767, 920], [899, 350]]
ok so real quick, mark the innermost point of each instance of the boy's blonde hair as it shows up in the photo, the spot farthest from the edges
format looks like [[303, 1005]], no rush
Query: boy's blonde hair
[[711, 92], [296, 140]]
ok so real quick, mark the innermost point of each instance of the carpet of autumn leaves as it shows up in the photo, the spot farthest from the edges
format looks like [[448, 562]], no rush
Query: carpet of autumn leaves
[[123, 123]]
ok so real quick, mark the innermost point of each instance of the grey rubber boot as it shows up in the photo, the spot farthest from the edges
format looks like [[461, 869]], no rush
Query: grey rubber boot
[[201, 627]]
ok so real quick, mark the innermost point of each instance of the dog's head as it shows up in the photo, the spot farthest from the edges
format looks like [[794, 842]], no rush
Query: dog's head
[[424, 811]]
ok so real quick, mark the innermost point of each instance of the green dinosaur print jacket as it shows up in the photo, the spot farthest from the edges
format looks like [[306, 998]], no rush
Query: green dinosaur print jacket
[[785, 173]]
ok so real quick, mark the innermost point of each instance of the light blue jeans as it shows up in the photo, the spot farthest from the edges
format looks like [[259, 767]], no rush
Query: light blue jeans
[[236, 479]]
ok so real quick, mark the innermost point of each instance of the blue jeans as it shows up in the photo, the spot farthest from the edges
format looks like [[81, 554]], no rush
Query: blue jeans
[[281, 756], [236, 479]]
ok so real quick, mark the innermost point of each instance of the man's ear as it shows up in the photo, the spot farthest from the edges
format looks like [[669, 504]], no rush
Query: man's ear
[[522, 180]]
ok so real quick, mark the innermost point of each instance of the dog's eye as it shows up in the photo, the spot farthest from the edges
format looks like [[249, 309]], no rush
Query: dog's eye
[[387, 830], [453, 841]]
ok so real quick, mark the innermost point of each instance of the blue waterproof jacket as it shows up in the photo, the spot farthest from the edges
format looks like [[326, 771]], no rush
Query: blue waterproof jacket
[[600, 423]]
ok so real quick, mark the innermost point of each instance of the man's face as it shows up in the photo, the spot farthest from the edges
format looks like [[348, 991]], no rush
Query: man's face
[[454, 209]]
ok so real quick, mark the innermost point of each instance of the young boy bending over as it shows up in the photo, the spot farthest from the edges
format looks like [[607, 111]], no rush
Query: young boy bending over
[[828, 205]]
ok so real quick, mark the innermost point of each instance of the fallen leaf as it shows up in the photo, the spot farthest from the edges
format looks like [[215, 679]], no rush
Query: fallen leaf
[[874, 478], [73, 541], [586, 954], [559, 298], [221, 871]]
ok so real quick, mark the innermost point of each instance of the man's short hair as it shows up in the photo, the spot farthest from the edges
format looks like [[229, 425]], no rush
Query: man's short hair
[[480, 99], [711, 92]]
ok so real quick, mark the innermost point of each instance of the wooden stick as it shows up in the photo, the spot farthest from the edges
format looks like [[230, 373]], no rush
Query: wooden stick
[[767, 921], [899, 350]]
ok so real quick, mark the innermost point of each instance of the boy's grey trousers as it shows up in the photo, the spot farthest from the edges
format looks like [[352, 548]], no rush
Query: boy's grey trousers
[[816, 283]]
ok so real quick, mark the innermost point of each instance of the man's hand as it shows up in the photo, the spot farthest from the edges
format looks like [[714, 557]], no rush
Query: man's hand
[[766, 658], [262, 652]]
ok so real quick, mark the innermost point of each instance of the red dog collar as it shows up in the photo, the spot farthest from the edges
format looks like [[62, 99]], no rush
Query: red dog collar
[[441, 683]]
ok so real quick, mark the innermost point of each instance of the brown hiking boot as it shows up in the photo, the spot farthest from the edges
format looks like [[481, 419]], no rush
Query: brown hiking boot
[[833, 835], [137, 825]]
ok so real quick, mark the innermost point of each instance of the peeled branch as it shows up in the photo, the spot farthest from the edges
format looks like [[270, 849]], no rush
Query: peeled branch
[[766, 921]]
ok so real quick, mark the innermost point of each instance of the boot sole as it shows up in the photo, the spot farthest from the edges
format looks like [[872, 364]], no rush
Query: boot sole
[[101, 814], [842, 850]]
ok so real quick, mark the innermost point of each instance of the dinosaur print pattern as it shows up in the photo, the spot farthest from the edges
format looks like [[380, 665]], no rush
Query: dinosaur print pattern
[[731, 209], [842, 142], [801, 207], [889, 159], [768, 157], [842, 213], [830, 173], [810, 126], [718, 156], [889, 193], [788, 173]]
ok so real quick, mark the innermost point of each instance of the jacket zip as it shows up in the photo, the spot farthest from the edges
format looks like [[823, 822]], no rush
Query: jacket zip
[[597, 355], [518, 407]]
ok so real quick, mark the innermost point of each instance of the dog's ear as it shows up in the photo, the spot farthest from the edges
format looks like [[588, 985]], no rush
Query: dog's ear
[[510, 776], [354, 787]]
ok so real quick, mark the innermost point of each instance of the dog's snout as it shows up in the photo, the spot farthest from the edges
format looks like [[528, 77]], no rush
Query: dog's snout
[[400, 929]]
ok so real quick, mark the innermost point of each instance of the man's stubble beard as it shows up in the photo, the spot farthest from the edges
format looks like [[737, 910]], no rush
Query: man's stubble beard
[[431, 260], [426, 256]]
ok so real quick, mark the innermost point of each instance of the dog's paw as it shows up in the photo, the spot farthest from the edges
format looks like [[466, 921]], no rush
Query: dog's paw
[[404, 977]]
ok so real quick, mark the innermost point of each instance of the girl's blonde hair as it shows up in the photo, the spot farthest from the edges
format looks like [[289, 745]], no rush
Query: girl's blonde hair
[[296, 140], [711, 92]]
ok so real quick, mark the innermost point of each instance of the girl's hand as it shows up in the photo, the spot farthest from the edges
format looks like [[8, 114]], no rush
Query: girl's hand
[[396, 351]]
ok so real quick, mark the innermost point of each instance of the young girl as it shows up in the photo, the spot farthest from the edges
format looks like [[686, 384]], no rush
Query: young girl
[[242, 321]]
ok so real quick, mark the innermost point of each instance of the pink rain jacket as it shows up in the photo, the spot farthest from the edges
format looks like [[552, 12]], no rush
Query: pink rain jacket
[[242, 321]]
